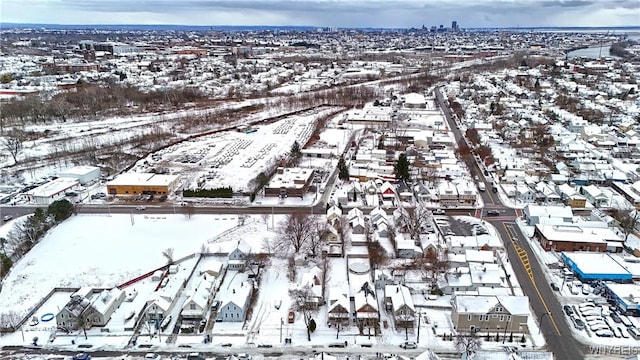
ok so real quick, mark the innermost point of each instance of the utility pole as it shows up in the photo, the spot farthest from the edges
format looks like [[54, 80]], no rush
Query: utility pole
[[281, 321], [418, 337]]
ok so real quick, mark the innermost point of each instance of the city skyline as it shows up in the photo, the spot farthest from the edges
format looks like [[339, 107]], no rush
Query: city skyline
[[336, 13]]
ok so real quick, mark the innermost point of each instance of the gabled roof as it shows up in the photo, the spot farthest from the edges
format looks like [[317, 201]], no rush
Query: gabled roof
[[400, 296], [354, 213], [243, 247], [478, 304]]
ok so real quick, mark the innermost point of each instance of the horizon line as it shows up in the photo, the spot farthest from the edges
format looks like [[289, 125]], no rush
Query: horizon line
[[26, 24]]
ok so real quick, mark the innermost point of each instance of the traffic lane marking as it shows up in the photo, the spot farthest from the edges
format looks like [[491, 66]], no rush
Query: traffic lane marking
[[533, 282]]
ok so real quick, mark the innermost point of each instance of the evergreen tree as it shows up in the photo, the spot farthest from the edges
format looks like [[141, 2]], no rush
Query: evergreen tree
[[402, 168], [343, 170]]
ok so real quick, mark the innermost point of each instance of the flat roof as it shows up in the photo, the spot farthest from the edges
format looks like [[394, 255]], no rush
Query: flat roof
[[79, 170], [576, 233], [588, 263], [149, 179], [53, 187]]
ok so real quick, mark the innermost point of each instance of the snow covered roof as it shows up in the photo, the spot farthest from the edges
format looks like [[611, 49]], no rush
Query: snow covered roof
[[105, 300], [53, 187], [471, 304], [400, 295], [548, 211], [148, 179], [236, 290]]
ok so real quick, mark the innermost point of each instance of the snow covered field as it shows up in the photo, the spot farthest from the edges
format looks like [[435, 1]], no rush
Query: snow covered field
[[104, 251]]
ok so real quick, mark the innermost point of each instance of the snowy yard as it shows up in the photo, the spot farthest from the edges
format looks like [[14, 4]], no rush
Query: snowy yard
[[104, 251]]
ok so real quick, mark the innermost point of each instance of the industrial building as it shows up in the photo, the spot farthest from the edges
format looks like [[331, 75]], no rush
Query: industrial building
[[84, 174], [52, 191], [142, 183]]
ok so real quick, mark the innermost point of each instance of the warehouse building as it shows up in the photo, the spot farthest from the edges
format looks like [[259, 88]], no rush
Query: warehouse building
[[142, 183], [84, 174], [52, 191]]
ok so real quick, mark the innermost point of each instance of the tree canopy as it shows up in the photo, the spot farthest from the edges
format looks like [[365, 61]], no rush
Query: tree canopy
[[402, 168]]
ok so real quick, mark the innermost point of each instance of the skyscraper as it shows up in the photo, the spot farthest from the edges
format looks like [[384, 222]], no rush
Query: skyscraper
[[454, 25]]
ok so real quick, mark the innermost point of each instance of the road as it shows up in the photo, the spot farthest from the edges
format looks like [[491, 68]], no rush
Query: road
[[543, 301], [528, 271]]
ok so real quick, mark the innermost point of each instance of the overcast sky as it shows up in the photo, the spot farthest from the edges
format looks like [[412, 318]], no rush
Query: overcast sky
[[340, 13]]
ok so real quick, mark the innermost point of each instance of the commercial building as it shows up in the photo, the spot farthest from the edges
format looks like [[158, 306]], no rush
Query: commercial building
[[626, 296], [52, 191], [595, 266], [142, 183], [84, 174], [577, 238], [288, 182]]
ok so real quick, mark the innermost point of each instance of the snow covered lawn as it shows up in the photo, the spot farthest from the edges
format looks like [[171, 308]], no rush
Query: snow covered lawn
[[104, 251]]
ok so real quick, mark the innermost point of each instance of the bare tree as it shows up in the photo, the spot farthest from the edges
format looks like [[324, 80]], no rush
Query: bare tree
[[12, 142], [628, 219], [242, 218], [188, 209], [168, 254], [467, 343], [204, 248], [378, 256], [10, 319], [296, 232], [81, 323]]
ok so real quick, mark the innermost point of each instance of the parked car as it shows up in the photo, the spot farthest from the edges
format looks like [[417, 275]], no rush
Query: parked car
[[567, 310], [615, 317], [578, 324], [604, 333], [438, 212], [635, 333], [586, 289], [598, 326], [409, 345], [140, 208], [82, 356], [554, 286]]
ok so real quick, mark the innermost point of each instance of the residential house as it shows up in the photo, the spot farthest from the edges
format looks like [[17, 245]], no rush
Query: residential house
[[75, 308], [366, 306], [406, 248], [398, 301], [387, 190], [358, 225], [341, 196], [490, 314], [595, 196], [571, 196], [104, 305], [333, 213], [338, 307], [197, 304], [239, 256], [311, 288], [354, 213], [234, 296]]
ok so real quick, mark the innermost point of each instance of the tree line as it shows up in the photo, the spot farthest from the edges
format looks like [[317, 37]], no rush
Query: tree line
[[26, 234]]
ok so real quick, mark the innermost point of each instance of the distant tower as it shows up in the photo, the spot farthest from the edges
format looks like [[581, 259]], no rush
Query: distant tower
[[454, 25]]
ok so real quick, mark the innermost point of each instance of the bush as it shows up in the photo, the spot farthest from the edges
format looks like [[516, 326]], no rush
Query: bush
[[60, 210], [224, 192]]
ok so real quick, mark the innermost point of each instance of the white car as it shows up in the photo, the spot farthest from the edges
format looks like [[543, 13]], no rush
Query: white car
[[599, 326], [604, 333], [7, 217], [140, 208]]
